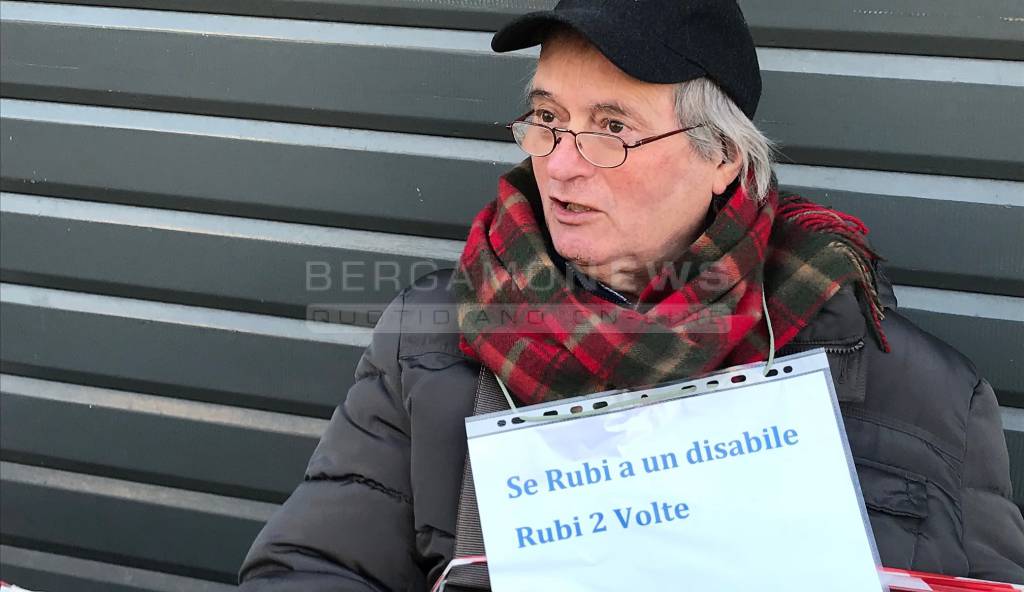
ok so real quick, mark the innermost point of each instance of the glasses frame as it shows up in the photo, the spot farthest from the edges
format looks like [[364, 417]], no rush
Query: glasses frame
[[576, 138]]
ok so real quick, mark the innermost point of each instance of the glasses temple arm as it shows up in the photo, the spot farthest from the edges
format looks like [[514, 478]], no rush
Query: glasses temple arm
[[639, 143]]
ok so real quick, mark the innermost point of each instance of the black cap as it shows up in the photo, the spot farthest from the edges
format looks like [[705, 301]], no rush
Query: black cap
[[664, 41]]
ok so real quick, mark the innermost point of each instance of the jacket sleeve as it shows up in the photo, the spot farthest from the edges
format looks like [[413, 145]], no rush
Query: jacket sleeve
[[993, 527], [348, 527]]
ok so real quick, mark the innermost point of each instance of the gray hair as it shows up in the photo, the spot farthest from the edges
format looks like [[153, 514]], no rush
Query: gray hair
[[725, 133]]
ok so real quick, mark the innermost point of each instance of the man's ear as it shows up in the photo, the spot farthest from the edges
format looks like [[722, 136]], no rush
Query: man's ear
[[726, 172]]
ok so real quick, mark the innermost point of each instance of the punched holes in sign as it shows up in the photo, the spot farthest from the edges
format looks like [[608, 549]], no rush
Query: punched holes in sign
[[620, 399]]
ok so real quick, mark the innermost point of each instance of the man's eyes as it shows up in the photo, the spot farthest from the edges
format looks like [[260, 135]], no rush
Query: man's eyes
[[612, 126], [544, 116]]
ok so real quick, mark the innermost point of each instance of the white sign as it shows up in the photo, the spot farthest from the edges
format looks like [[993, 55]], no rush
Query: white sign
[[718, 485]]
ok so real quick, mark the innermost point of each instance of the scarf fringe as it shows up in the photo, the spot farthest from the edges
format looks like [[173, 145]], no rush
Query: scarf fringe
[[849, 233]]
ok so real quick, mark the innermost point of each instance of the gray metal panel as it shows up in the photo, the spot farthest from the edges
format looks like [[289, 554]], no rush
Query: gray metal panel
[[155, 528], [984, 29], [825, 119], [184, 444], [177, 351], [37, 570]]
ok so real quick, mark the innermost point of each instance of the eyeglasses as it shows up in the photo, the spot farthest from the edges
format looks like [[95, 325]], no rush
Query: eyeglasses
[[602, 150]]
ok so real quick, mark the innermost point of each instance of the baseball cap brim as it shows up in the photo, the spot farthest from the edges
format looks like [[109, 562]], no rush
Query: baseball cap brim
[[630, 50]]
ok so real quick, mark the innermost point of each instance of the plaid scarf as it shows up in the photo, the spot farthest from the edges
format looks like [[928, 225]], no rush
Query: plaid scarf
[[548, 339]]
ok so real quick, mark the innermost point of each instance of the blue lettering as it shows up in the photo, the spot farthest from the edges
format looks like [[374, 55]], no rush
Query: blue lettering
[[554, 478], [525, 534], [513, 484], [623, 519], [529, 487]]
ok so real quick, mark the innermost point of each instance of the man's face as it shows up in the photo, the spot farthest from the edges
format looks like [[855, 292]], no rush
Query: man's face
[[644, 212]]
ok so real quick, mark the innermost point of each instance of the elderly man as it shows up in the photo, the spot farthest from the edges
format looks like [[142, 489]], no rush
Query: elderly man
[[648, 191]]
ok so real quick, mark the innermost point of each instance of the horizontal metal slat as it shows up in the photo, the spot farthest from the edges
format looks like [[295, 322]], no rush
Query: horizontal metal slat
[[36, 570], [184, 444], [318, 83], [369, 181], [363, 81], [225, 357], [212, 261], [984, 29], [197, 535], [881, 124], [390, 185]]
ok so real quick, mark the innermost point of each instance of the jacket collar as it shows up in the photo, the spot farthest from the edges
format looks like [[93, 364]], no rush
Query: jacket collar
[[841, 328]]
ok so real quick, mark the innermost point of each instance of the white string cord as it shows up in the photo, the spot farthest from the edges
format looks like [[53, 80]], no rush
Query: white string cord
[[771, 333], [504, 391]]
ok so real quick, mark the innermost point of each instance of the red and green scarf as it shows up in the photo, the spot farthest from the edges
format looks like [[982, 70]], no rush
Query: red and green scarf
[[547, 338]]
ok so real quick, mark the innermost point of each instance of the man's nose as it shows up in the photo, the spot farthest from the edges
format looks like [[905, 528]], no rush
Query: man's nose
[[566, 162]]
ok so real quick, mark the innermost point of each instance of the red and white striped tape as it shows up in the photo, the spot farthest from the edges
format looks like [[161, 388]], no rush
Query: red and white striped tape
[[900, 580], [897, 580]]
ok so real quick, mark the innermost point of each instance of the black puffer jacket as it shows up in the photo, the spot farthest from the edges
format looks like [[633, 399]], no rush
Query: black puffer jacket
[[377, 508]]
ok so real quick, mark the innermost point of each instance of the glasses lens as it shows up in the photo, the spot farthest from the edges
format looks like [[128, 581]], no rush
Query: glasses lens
[[601, 150], [536, 140]]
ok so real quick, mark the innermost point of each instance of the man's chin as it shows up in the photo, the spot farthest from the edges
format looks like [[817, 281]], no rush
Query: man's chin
[[580, 254]]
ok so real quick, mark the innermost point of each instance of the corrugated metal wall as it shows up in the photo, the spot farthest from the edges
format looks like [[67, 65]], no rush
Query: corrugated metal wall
[[179, 184]]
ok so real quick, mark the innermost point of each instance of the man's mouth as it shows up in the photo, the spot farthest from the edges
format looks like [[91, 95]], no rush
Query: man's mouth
[[571, 206]]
